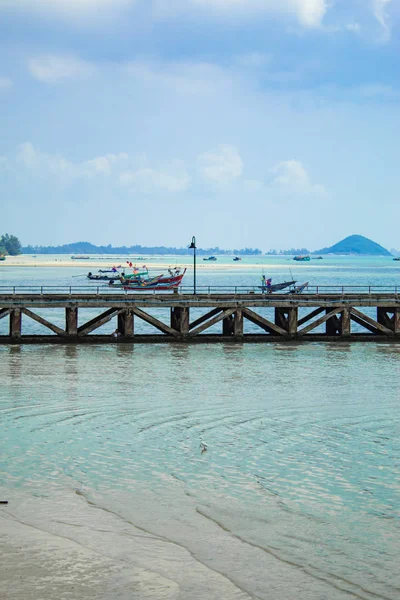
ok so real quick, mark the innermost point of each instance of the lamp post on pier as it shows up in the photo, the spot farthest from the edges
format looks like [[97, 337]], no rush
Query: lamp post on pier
[[193, 246]]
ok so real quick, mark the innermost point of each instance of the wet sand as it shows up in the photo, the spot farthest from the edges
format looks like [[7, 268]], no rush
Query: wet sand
[[62, 547]]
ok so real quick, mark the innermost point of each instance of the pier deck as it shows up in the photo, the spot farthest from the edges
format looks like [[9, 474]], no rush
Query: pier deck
[[245, 316]]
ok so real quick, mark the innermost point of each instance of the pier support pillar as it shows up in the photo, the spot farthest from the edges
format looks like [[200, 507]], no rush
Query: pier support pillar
[[292, 320], [180, 320], [238, 325], [228, 325], [333, 325], [15, 323], [345, 323], [287, 319], [397, 321], [71, 320], [126, 323], [388, 317]]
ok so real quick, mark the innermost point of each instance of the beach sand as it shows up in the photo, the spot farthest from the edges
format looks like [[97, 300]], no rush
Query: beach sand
[[60, 547], [151, 262]]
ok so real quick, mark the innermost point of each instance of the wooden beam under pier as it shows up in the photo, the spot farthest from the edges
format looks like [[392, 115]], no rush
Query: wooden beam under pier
[[155, 322], [320, 321], [366, 321], [43, 322], [4, 312], [204, 318], [97, 322], [223, 315], [310, 315], [268, 326]]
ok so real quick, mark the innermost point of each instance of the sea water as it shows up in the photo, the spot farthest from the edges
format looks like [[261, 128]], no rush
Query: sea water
[[222, 471]]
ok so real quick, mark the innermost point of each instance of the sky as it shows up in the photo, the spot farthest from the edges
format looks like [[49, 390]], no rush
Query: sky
[[246, 123]]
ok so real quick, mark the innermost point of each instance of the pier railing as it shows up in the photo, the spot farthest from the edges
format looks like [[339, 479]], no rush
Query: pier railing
[[104, 290]]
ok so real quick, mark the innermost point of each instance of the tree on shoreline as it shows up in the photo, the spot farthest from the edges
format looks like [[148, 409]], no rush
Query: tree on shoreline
[[10, 244]]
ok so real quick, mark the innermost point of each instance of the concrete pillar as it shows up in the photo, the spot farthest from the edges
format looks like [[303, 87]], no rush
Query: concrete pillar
[[228, 325], [383, 318], [238, 324], [15, 323], [287, 318], [397, 321], [292, 320], [180, 319], [126, 323], [71, 320], [345, 323], [333, 326]]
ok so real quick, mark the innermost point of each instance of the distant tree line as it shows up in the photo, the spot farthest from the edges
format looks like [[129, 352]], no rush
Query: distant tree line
[[10, 244], [88, 248]]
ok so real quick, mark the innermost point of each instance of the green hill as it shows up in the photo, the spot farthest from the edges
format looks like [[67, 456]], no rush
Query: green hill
[[355, 244]]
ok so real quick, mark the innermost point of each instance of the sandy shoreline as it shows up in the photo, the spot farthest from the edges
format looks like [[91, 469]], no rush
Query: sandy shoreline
[[92, 264]]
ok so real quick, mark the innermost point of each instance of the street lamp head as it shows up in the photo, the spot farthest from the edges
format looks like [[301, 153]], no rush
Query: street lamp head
[[193, 244]]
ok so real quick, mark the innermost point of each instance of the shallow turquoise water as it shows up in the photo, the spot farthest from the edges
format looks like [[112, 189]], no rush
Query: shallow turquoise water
[[302, 466], [298, 492]]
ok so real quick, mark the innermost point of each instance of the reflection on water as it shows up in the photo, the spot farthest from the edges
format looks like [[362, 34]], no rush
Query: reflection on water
[[300, 479]]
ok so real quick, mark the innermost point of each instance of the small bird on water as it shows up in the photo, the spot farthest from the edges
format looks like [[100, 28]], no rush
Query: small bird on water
[[203, 447]]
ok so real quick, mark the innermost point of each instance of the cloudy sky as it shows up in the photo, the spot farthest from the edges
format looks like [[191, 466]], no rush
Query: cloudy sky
[[268, 123]]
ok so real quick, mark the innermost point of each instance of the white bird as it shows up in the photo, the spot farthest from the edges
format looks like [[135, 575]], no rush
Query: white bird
[[203, 447]]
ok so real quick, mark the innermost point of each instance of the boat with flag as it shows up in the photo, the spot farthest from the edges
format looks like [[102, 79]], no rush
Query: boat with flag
[[115, 273], [159, 283]]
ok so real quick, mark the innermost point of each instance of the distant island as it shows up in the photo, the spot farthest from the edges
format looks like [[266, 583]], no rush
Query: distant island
[[355, 244], [88, 248]]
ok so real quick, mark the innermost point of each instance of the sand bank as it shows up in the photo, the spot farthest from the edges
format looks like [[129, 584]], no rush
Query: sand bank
[[152, 263]]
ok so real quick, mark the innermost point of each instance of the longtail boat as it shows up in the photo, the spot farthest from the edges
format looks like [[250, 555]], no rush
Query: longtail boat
[[113, 274], [268, 287], [298, 289], [160, 282]]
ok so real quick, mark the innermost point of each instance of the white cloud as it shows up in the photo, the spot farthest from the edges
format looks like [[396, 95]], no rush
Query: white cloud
[[5, 83], [44, 165], [104, 164], [51, 68], [291, 177], [172, 178], [309, 13], [222, 165], [382, 17]]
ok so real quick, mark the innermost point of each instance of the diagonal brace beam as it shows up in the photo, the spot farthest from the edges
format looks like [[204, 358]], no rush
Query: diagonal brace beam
[[155, 322], [4, 312], [321, 320], [223, 315], [263, 323], [43, 321], [310, 315], [97, 321], [368, 323], [204, 318]]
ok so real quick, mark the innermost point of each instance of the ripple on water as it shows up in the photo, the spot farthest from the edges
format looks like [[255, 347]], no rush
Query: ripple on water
[[302, 459]]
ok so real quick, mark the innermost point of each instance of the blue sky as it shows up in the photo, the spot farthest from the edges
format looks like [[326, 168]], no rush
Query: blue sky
[[265, 123]]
